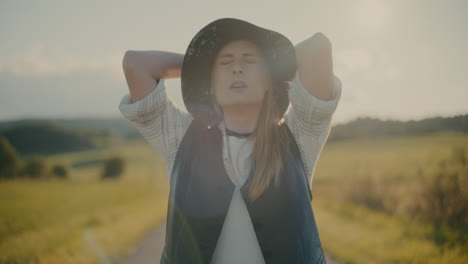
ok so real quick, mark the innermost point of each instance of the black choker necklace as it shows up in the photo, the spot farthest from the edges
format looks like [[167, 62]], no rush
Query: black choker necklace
[[236, 134]]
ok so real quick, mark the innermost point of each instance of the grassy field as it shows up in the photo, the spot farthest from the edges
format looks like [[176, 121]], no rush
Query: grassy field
[[83, 219], [364, 192]]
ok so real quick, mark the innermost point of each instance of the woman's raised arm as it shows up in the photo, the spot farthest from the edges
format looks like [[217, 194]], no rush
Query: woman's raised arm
[[314, 96], [144, 68], [154, 114]]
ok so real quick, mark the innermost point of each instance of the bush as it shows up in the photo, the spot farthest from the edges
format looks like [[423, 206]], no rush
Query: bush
[[113, 168], [9, 160], [34, 167], [444, 200], [439, 197], [60, 171]]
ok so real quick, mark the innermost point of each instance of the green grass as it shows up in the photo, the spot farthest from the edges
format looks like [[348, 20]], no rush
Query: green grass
[[82, 220], [355, 233], [71, 221]]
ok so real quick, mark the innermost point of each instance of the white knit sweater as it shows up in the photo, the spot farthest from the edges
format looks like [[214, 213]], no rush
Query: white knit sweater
[[163, 124]]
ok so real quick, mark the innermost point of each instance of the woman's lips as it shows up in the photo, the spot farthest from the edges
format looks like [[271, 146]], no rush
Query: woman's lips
[[238, 85]]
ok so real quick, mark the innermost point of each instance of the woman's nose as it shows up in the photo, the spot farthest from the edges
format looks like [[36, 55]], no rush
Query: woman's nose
[[237, 67]]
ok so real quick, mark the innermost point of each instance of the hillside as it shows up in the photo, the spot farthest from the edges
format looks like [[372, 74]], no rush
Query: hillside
[[63, 135]]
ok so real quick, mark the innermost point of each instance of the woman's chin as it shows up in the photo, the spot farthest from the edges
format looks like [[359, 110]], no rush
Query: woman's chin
[[241, 103], [238, 90]]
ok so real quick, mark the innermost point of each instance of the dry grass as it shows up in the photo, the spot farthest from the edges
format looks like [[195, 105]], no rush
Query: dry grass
[[83, 219], [365, 192]]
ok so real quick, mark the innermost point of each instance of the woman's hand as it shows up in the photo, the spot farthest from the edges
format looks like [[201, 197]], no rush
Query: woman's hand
[[315, 65], [142, 69]]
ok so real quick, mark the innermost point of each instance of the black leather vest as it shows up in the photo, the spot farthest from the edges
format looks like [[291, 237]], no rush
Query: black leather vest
[[201, 192]]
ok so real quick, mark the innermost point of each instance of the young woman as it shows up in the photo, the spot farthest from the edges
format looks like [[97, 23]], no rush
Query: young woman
[[240, 160]]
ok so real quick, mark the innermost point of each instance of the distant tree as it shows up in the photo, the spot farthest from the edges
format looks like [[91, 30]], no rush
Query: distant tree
[[60, 171], [34, 167], [47, 138], [113, 168], [368, 127], [9, 160]]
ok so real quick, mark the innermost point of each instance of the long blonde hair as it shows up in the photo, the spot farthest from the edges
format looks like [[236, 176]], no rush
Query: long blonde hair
[[269, 147], [270, 138], [270, 144]]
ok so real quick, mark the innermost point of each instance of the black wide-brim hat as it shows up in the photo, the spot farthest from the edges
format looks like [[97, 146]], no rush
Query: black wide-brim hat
[[203, 49]]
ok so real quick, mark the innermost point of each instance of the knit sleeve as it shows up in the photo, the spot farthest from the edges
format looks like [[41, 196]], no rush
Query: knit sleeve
[[309, 119], [158, 119]]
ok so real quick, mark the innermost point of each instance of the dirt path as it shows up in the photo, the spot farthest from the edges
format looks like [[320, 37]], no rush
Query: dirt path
[[150, 249]]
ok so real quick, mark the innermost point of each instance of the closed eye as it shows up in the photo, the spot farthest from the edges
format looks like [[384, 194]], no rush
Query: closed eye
[[227, 62]]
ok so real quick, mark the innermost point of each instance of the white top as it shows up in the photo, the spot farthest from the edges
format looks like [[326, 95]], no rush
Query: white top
[[163, 124], [237, 241]]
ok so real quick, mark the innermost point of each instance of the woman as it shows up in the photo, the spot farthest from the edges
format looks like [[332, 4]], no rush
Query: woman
[[240, 160]]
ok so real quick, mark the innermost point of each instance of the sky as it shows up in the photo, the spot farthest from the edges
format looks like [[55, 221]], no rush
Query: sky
[[399, 60]]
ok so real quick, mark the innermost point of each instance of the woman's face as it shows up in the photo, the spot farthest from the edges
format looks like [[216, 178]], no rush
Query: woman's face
[[240, 60]]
